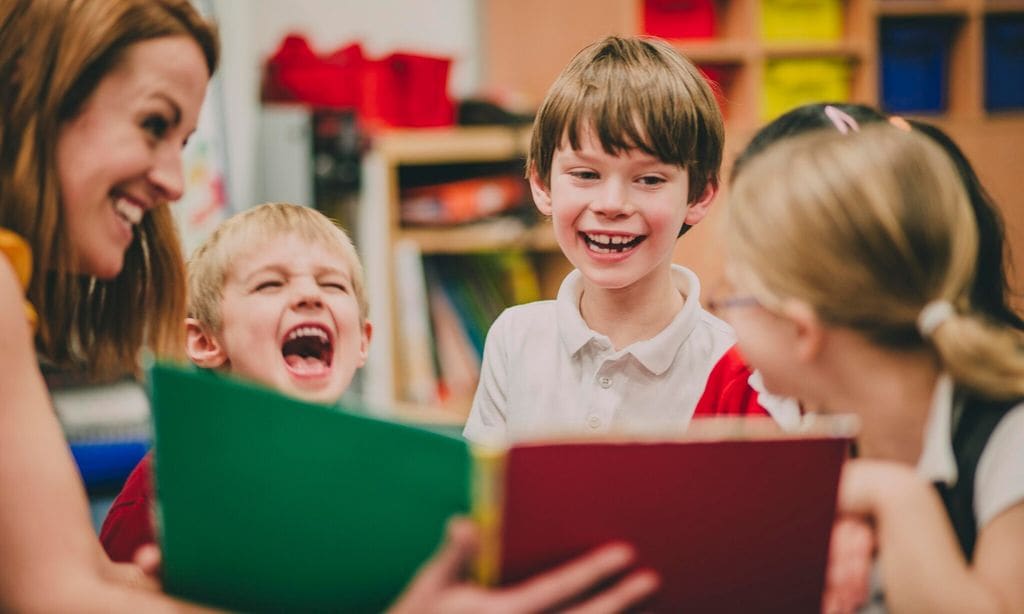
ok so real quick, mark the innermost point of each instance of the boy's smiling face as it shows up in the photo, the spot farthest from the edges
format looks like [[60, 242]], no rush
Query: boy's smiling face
[[615, 216], [290, 320]]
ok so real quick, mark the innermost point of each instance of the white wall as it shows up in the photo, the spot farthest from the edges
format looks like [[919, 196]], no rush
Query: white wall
[[252, 29]]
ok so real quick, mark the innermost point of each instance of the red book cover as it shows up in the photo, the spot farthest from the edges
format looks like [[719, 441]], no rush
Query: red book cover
[[729, 525]]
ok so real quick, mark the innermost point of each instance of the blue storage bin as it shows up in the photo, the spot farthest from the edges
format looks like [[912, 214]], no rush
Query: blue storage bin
[[105, 465], [915, 63], [1004, 62]]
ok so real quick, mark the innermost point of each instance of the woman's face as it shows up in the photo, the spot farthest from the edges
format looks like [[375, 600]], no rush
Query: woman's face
[[121, 155]]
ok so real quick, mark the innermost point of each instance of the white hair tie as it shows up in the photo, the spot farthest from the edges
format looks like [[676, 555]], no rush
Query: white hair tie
[[933, 315]]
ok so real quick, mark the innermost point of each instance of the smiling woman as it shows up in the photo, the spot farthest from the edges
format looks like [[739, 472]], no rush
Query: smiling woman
[[97, 98], [120, 156], [94, 128]]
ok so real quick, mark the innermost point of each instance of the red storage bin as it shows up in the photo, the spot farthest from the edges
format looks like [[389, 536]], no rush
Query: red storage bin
[[296, 73], [679, 18], [720, 78], [405, 89]]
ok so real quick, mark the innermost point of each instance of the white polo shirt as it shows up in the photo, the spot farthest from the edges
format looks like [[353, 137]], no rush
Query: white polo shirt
[[546, 373]]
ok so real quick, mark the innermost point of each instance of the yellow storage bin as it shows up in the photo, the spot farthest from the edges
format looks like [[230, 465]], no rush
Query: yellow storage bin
[[801, 20], [792, 82]]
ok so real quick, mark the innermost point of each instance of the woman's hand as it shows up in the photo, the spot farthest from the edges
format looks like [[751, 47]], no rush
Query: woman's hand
[[440, 585]]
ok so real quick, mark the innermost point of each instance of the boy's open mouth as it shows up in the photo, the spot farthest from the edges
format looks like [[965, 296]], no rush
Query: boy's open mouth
[[607, 244], [308, 349]]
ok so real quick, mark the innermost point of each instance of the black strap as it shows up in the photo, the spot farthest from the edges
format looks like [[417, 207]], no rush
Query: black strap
[[973, 421]]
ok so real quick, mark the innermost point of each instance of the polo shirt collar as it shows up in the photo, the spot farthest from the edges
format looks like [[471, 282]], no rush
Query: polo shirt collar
[[937, 462], [655, 354]]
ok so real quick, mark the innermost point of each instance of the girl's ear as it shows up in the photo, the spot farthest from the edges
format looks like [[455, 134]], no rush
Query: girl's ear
[[541, 193], [202, 347], [809, 330], [699, 207]]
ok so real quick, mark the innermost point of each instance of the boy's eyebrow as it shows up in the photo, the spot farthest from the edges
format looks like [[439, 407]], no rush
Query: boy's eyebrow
[[586, 158], [274, 268], [284, 270]]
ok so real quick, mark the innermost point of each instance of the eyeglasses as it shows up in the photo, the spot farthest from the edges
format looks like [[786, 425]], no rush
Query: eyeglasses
[[729, 302], [725, 296]]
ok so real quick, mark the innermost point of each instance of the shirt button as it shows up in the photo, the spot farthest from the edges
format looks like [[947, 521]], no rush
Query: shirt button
[[594, 422], [605, 382]]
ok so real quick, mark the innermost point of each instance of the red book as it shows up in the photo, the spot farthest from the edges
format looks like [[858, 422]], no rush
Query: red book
[[733, 524]]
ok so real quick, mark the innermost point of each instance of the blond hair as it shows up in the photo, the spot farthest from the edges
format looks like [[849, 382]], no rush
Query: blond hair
[[635, 93], [53, 54], [212, 261], [869, 229]]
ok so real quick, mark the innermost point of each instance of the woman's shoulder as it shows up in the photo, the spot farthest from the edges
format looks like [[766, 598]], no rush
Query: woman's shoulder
[[16, 251]]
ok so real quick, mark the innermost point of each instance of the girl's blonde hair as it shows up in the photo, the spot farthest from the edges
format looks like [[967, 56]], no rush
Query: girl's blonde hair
[[212, 261], [53, 54], [869, 229]]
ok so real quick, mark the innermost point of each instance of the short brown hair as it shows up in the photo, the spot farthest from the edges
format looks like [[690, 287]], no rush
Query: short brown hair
[[636, 93], [53, 54], [211, 262]]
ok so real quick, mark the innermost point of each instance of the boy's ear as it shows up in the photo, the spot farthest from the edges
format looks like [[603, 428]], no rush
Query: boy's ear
[[364, 344], [202, 347], [699, 207], [541, 193], [809, 331]]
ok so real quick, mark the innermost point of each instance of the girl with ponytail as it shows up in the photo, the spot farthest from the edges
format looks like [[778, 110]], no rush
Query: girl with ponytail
[[852, 259]]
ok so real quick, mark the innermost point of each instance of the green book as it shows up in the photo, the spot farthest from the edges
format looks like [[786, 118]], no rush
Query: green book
[[267, 503]]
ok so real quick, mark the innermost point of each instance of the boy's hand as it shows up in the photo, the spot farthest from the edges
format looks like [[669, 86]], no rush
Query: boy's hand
[[148, 560], [440, 585], [143, 572], [850, 557]]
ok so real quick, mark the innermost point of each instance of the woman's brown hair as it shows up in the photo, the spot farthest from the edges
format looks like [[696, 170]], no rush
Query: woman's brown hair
[[53, 54]]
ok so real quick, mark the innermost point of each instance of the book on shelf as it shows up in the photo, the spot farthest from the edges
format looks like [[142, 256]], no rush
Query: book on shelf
[[458, 362], [418, 369], [269, 503], [462, 200]]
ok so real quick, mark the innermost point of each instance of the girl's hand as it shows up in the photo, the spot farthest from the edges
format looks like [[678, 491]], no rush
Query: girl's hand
[[850, 558]]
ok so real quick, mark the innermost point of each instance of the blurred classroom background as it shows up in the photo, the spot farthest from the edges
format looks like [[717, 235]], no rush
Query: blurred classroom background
[[407, 121]]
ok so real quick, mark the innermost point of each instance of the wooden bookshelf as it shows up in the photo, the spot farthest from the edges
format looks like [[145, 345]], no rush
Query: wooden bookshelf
[[380, 229], [527, 42], [991, 140]]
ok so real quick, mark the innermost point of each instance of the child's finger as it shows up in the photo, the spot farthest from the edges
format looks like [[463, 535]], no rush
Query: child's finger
[[148, 559]]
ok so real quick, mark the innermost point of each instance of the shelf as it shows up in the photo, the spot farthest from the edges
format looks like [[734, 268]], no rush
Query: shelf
[[715, 51], [924, 8], [455, 144], [490, 235], [1004, 6], [844, 49]]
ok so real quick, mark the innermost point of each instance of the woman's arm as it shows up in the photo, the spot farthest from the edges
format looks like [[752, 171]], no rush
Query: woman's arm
[[50, 559], [922, 564]]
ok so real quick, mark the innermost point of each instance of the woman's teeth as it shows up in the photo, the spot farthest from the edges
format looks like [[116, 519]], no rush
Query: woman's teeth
[[129, 212]]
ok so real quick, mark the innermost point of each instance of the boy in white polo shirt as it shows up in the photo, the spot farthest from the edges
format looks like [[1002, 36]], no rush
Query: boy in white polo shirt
[[624, 157]]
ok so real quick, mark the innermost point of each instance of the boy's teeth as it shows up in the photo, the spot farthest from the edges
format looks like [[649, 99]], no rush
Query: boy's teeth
[[307, 331], [131, 213]]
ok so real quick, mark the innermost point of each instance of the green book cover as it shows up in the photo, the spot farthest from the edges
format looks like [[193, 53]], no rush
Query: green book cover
[[267, 503]]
